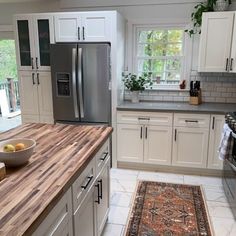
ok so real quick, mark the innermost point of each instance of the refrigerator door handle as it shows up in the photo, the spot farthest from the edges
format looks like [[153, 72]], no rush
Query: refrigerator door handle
[[74, 83], [81, 98]]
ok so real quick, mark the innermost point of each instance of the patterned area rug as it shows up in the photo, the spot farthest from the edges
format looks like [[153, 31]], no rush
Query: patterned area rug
[[163, 209]]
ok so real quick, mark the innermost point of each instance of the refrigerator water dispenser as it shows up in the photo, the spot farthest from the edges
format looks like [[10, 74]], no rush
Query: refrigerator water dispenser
[[63, 84]]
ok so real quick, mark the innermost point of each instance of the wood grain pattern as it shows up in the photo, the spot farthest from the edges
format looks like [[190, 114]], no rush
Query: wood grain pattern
[[61, 153]]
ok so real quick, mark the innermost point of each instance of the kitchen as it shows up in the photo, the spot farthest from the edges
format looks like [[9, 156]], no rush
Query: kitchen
[[151, 137]]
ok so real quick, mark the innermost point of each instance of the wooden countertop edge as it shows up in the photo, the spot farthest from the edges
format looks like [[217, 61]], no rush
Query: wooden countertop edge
[[67, 185]]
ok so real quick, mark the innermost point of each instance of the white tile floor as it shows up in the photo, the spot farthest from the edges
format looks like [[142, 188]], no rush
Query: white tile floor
[[123, 184]]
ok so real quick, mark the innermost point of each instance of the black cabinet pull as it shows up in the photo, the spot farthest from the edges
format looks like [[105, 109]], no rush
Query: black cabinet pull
[[83, 33], [36, 62], [32, 63], [104, 157], [213, 123], [191, 121], [141, 132], [87, 184], [100, 182], [227, 62], [33, 78], [98, 193], [175, 134], [146, 130], [231, 64], [78, 33], [143, 118], [38, 78]]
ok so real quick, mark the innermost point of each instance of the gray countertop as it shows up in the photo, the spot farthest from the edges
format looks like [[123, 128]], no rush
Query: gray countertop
[[216, 108]]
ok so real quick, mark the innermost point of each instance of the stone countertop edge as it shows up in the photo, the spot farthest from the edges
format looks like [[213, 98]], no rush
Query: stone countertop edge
[[83, 143], [216, 108]]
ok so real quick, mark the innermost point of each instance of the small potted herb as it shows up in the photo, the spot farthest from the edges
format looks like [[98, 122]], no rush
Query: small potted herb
[[136, 83]]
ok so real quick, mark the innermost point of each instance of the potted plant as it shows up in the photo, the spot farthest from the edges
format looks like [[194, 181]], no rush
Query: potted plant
[[136, 83], [208, 6]]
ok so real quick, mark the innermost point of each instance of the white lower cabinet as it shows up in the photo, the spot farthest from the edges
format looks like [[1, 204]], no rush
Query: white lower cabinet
[[130, 143], [157, 144], [216, 127], [190, 147], [143, 142], [36, 96], [59, 221], [179, 139], [102, 205], [84, 218]]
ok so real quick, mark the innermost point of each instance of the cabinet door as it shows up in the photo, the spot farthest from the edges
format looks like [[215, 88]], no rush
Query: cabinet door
[[28, 93], [84, 220], [96, 26], [103, 205], [25, 51], [59, 221], [130, 143], [217, 123], [157, 145], [43, 80], [215, 41], [43, 28], [67, 27], [190, 146]]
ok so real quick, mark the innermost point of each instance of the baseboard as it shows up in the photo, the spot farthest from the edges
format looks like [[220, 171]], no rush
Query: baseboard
[[169, 169]]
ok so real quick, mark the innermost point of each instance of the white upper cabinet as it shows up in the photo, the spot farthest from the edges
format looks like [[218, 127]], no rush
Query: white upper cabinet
[[83, 26], [34, 33], [216, 41], [67, 27]]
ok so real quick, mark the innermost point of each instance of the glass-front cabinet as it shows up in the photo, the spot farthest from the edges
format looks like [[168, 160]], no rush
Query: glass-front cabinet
[[34, 34]]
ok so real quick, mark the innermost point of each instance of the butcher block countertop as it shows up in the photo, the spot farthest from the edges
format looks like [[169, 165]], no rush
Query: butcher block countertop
[[62, 151]]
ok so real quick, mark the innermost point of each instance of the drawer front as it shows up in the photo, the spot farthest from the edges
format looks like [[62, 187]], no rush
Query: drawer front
[[58, 220], [101, 157], [83, 184], [145, 118], [192, 120]]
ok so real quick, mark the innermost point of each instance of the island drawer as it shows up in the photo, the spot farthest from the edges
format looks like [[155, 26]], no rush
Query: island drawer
[[59, 221], [83, 184], [192, 120], [102, 156], [149, 118]]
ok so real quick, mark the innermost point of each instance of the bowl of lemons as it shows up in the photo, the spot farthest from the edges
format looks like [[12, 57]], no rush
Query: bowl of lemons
[[16, 152]]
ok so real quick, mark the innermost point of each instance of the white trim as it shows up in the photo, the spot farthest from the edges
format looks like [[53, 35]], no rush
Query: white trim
[[113, 3], [6, 28]]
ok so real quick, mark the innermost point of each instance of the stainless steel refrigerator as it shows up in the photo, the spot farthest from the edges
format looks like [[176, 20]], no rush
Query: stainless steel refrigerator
[[80, 82]]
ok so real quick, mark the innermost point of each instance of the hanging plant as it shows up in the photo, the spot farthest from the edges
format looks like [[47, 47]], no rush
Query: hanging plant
[[196, 16]]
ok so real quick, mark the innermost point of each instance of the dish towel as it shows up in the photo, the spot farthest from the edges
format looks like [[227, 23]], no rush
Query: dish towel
[[225, 143]]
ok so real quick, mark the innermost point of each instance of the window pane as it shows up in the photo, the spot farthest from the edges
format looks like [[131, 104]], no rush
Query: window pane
[[174, 49], [145, 65], [175, 36], [145, 36], [174, 64]]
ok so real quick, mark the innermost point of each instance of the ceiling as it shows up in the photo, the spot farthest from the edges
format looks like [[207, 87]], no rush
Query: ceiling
[[19, 1]]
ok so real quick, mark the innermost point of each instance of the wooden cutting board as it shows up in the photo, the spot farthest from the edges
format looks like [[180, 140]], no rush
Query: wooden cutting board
[[2, 171]]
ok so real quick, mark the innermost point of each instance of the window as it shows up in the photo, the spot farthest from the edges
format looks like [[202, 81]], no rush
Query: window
[[160, 51]]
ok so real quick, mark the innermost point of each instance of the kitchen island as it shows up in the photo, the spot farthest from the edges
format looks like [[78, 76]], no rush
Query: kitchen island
[[62, 153]]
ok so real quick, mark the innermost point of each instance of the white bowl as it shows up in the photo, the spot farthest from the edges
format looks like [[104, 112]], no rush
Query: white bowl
[[17, 158]]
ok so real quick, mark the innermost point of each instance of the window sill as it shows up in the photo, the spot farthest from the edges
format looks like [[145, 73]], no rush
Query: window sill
[[167, 88]]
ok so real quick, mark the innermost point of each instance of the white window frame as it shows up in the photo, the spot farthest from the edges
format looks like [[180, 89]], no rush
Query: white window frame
[[131, 63]]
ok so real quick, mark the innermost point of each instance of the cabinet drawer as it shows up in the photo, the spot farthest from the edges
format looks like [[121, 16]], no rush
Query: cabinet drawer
[[102, 157], [152, 118], [83, 183], [59, 221], [192, 120]]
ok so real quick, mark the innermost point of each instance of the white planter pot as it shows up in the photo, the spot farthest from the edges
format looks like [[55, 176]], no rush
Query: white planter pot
[[221, 5], [135, 96]]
